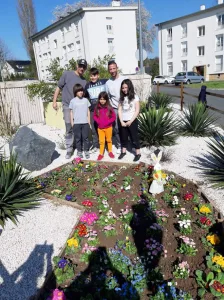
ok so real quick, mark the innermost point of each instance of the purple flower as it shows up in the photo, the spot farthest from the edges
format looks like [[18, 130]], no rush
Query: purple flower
[[62, 263], [68, 197]]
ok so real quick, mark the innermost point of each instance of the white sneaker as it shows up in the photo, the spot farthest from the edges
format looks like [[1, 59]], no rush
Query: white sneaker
[[93, 150], [118, 150]]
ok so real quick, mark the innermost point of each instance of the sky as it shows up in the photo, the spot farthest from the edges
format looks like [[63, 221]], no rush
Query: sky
[[10, 31]]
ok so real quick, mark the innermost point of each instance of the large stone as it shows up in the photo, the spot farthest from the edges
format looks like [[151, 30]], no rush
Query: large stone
[[34, 152]]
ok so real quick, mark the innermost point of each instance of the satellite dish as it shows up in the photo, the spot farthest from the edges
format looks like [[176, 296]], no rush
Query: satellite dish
[[137, 54]]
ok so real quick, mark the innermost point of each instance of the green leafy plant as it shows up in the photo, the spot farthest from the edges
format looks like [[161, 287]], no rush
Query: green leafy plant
[[160, 100], [63, 270], [203, 281], [197, 121], [214, 165], [157, 127], [17, 192]]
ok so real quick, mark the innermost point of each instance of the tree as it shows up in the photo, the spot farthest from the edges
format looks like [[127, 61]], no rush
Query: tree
[[148, 34], [27, 18], [4, 55], [153, 65]]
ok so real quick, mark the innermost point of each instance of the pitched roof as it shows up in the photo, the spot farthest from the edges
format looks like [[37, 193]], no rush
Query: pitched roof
[[198, 13], [19, 65]]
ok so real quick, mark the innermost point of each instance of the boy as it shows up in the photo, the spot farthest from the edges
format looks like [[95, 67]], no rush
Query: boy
[[92, 90]]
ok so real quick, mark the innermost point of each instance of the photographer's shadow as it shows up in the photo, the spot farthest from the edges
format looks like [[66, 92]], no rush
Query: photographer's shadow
[[93, 282], [144, 237]]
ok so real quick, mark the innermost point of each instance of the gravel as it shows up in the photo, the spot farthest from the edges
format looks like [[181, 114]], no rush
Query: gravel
[[27, 250]]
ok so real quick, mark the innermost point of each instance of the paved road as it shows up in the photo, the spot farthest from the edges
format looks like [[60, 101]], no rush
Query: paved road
[[215, 102]]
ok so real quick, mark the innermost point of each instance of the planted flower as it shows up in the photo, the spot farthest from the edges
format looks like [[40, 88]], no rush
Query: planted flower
[[126, 215], [68, 197], [182, 270], [188, 196], [56, 192], [168, 290], [153, 248], [187, 246], [89, 218], [215, 262], [87, 203], [204, 209], [109, 230], [161, 216], [89, 193], [77, 161], [81, 230], [174, 203], [213, 239], [183, 214], [127, 245], [185, 226], [205, 222], [57, 295], [63, 270]]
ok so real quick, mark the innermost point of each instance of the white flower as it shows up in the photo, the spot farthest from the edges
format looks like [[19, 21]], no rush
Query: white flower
[[169, 283], [128, 188]]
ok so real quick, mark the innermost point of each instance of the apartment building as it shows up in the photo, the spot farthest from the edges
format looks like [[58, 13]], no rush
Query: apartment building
[[88, 33], [193, 43]]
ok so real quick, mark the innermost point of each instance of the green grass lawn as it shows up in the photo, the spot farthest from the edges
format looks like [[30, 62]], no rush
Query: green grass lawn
[[209, 84]]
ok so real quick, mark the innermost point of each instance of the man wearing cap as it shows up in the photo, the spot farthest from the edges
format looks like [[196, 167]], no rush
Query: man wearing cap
[[66, 84]]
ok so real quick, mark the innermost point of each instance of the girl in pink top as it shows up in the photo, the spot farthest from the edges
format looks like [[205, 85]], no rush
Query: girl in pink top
[[104, 116]]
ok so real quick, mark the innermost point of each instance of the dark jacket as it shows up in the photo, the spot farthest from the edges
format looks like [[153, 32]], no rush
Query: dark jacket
[[202, 95]]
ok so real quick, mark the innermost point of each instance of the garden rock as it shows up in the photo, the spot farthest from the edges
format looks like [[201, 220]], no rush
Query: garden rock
[[33, 151]]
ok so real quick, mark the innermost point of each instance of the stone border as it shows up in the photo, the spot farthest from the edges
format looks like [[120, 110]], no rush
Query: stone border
[[60, 201]]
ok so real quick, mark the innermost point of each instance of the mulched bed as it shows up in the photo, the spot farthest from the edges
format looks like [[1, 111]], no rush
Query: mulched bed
[[107, 273]]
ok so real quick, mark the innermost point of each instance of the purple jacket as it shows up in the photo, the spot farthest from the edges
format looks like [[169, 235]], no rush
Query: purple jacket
[[103, 120]]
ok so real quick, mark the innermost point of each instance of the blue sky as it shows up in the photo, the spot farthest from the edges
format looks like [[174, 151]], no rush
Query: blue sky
[[10, 32]]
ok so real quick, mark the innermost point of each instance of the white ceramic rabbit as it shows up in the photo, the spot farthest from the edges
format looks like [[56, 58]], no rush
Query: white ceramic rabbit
[[157, 185]]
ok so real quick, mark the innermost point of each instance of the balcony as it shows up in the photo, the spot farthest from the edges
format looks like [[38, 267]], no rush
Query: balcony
[[184, 53], [219, 48], [170, 55], [169, 38]]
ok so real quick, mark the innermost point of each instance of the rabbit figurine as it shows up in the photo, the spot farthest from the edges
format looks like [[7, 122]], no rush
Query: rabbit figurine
[[157, 185]]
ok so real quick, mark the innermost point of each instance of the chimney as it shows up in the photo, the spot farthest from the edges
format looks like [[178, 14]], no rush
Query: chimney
[[202, 7], [220, 1], [116, 3]]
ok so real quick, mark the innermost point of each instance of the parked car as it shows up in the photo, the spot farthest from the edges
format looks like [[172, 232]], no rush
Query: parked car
[[188, 78], [163, 79]]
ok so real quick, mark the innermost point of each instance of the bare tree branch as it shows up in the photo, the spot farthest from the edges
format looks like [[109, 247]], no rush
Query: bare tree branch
[[4, 55]]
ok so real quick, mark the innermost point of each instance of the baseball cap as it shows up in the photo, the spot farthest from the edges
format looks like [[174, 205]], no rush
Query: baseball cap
[[82, 62]]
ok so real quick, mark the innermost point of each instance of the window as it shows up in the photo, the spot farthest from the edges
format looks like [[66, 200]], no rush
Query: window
[[62, 35], [71, 47], [201, 50], [76, 28], [78, 49], [219, 63], [184, 49], [184, 30], [45, 55], [108, 18], [110, 45], [219, 42], [109, 29], [201, 31], [170, 69], [169, 51], [220, 20], [55, 44], [184, 65], [49, 55], [169, 34], [65, 53]]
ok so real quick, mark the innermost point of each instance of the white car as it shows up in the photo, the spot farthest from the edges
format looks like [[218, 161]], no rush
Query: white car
[[163, 79]]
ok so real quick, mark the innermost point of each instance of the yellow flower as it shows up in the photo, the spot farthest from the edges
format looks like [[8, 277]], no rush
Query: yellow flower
[[69, 179], [213, 239], [73, 242], [205, 209], [56, 192], [164, 175], [183, 185], [39, 186], [219, 260], [127, 238], [76, 169]]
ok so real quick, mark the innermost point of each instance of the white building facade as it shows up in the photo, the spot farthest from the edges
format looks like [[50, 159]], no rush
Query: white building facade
[[193, 43], [89, 33]]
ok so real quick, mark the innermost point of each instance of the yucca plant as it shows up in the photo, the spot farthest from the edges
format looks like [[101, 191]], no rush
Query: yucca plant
[[197, 121], [214, 165], [17, 192], [160, 100], [157, 127]]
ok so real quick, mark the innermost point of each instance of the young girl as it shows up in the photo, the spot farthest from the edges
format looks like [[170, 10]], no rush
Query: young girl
[[128, 111], [104, 116], [80, 120]]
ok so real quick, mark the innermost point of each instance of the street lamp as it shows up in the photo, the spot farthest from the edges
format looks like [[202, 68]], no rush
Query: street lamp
[[140, 38]]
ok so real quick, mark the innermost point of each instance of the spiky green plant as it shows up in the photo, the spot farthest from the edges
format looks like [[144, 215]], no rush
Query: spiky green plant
[[160, 100], [157, 127], [17, 192], [197, 121], [214, 165]]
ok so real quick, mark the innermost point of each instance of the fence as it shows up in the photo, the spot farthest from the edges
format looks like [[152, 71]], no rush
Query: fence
[[23, 110], [182, 93]]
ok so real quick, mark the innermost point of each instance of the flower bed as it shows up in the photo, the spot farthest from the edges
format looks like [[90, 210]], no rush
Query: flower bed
[[130, 244]]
